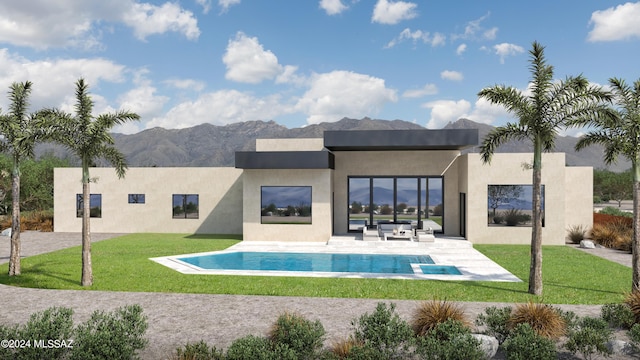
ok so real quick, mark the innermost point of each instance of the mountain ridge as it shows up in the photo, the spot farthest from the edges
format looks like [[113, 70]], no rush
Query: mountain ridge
[[207, 145]]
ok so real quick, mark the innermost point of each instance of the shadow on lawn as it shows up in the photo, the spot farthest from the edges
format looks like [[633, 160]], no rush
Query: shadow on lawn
[[214, 236]]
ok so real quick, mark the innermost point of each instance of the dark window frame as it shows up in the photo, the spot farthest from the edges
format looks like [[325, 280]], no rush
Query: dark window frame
[[136, 198], [92, 213], [185, 209], [300, 208]]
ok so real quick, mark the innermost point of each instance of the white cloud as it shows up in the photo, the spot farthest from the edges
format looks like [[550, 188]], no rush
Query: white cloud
[[333, 7], [475, 31], [487, 113], [142, 99], [505, 49], [444, 111], [44, 24], [452, 75], [337, 94], [248, 62], [226, 4], [186, 84], [220, 108], [617, 23], [425, 37], [289, 76], [147, 19], [461, 49], [206, 5], [428, 89], [55, 78], [392, 12]]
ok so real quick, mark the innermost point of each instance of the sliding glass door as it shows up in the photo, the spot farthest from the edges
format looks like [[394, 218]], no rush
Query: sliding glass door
[[417, 200]]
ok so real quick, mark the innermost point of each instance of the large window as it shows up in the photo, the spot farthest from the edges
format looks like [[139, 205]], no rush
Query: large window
[[285, 204], [185, 206], [417, 200], [511, 205], [95, 204]]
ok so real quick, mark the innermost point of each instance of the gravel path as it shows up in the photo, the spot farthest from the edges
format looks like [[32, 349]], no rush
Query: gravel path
[[175, 319]]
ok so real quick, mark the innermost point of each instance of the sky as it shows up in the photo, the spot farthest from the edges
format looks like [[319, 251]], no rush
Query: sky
[[300, 62]]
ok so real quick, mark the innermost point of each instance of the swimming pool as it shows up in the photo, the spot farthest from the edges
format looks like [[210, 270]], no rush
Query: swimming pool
[[315, 262]]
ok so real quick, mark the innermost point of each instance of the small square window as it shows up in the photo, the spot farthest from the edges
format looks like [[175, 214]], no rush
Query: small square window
[[185, 206], [136, 198], [95, 203]]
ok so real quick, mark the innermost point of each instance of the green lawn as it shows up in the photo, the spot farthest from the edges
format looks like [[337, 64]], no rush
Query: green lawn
[[122, 264]]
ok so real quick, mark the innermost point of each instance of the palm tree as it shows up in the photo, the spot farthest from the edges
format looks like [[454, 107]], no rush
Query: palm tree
[[620, 135], [88, 138], [542, 112], [20, 130]]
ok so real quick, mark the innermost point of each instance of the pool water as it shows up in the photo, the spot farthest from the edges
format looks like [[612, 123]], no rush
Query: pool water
[[320, 262], [440, 270]]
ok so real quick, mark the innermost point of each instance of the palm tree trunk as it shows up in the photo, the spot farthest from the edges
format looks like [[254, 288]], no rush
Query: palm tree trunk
[[87, 271], [635, 244], [14, 256], [535, 269]]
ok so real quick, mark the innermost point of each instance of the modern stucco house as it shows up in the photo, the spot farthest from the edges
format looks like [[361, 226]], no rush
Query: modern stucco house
[[313, 189]]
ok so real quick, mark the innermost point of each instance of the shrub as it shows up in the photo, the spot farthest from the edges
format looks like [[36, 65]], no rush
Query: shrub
[[526, 344], [514, 217], [614, 234], [113, 335], [302, 336], [342, 348], [384, 331], [449, 340], [634, 337], [617, 315], [576, 233], [545, 320], [498, 219], [495, 320], [258, 348], [198, 351], [632, 300], [32, 220], [433, 312], [591, 337], [610, 210], [51, 324]]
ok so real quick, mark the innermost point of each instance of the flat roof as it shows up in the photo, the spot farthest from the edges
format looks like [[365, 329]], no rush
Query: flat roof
[[284, 160], [363, 140]]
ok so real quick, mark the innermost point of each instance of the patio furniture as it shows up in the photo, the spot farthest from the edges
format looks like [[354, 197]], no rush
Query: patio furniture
[[425, 235], [395, 231]]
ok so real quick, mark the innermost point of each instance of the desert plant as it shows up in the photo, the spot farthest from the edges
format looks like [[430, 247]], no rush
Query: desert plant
[[53, 324], [498, 219], [576, 233], [634, 337], [342, 348], [433, 312], [632, 300], [450, 339], [303, 336], [617, 315], [590, 338], [614, 234], [495, 320], [545, 320], [258, 348], [610, 210], [111, 335], [198, 351], [524, 343], [384, 331]]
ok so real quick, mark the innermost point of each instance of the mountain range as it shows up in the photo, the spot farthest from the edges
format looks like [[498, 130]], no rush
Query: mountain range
[[212, 145]]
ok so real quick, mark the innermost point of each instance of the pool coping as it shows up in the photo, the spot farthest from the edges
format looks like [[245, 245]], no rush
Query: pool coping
[[473, 265]]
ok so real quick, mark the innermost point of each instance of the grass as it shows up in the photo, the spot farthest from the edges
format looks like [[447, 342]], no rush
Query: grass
[[122, 264]]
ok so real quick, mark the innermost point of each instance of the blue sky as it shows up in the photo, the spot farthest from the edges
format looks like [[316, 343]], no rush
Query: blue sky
[[183, 63]]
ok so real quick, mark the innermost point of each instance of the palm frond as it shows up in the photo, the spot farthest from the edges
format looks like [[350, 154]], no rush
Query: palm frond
[[499, 136], [115, 158]]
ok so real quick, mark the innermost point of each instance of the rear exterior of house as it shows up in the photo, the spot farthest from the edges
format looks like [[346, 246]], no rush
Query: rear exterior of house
[[312, 189]]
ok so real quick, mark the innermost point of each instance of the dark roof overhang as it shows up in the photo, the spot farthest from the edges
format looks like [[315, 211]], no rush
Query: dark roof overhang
[[285, 160], [369, 140]]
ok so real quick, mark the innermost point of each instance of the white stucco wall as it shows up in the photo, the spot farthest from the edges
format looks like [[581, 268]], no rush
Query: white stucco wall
[[320, 228], [219, 190], [568, 196]]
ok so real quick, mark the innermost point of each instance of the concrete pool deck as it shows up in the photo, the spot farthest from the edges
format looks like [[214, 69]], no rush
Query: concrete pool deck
[[472, 264]]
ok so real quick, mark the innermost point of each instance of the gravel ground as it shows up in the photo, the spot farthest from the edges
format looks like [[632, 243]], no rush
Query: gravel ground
[[175, 319]]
